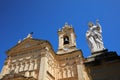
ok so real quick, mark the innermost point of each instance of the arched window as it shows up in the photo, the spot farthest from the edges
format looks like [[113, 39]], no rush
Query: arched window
[[66, 40]]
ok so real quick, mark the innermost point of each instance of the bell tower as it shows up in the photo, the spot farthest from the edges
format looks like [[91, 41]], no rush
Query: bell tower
[[67, 39]]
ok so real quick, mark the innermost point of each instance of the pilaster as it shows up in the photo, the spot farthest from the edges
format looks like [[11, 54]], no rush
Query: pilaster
[[43, 66]]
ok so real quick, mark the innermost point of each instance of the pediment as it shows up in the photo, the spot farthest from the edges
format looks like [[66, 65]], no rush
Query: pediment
[[27, 43]]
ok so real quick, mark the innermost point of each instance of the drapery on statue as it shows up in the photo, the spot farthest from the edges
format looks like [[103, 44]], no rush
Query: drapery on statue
[[94, 37]]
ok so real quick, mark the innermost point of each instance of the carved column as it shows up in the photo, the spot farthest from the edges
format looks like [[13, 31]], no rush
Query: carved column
[[60, 73], [43, 66], [33, 73], [17, 67], [12, 67], [21, 67], [64, 73], [73, 39], [26, 66], [60, 41], [68, 72], [35, 66], [31, 65], [27, 73], [80, 69], [72, 72]]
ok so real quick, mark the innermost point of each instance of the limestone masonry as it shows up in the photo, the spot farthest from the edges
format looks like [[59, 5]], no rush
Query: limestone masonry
[[35, 59]]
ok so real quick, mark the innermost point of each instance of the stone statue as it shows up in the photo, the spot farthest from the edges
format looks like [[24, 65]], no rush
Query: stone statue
[[94, 37]]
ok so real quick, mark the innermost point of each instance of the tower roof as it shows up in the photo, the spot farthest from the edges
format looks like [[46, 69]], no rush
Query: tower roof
[[65, 28]]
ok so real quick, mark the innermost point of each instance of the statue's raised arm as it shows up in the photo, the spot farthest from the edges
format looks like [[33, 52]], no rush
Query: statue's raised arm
[[94, 37]]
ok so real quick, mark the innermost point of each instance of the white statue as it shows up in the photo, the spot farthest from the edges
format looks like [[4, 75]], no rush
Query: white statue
[[94, 37]]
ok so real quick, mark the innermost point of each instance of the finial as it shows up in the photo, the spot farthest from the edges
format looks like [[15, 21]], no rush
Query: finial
[[46, 48], [66, 23], [29, 35], [19, 41], [97, 20], [70, 26], [59, 29]]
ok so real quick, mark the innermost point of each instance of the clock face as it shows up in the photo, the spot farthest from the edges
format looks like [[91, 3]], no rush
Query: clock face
[[65, 49]]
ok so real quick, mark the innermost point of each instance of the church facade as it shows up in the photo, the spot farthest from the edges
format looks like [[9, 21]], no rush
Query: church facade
[[35, 59]]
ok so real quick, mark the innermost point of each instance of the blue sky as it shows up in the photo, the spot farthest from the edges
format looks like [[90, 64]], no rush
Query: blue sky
[[45, 17]]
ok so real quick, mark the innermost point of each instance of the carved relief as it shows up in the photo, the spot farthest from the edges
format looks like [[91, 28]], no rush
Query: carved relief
[[33, 58]]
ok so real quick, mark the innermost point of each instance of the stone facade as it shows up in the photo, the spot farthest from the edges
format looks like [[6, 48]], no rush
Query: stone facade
[[35, 59]]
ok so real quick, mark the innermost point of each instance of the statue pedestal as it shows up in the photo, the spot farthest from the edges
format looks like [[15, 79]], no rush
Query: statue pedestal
[[101, 51], [101, 55], [103, 65]]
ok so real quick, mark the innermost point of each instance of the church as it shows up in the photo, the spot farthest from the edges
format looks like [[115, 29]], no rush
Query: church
[[35, 59]]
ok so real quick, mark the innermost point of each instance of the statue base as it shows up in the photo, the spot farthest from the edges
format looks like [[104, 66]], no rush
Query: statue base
[[105, 63], [101, 51], [100, 55]]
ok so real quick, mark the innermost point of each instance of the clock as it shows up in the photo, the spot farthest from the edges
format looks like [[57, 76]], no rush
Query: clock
[[65, 49]]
